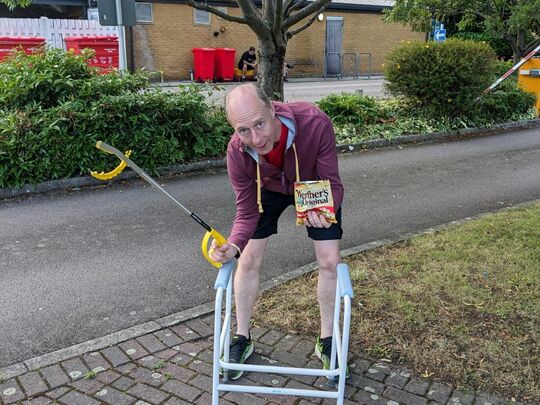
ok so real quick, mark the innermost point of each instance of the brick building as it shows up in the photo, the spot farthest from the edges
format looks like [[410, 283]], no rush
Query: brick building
[[169, 29]]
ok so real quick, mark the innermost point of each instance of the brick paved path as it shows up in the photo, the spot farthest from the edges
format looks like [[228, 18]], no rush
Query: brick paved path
[[174, 366]]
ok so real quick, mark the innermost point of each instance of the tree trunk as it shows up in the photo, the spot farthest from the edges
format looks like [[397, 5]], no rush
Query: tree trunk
[[516, 51], [271, 59]]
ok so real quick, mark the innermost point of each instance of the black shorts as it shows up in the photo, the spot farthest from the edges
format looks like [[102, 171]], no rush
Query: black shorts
[[274, 204]]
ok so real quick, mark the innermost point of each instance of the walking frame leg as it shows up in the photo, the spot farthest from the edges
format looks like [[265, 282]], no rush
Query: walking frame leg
[[221, 335], [217, 345]]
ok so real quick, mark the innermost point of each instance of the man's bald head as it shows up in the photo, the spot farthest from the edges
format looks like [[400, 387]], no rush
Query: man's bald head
[[253, 118], [243, 93]]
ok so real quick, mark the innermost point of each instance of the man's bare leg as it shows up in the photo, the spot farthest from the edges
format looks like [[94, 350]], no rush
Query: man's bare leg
[[327, 253], [246, 283]]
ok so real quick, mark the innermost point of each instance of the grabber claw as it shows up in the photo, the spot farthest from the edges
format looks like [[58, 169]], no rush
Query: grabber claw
[[113, 173], [206, 245]]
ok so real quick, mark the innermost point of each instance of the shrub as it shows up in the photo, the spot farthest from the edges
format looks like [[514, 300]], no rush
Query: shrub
[[353, 109], [503, 105], [54, 107], [161, 129], [444, 77], [50, 77]]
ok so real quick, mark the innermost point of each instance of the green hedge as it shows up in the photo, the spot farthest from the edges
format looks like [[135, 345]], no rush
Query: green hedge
[[443, 77], [49, 78], [358, 118], [352, 109], [161, 129], [53, 136], [503, 105]]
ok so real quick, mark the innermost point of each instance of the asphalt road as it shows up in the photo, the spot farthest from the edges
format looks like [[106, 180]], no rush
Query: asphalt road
[[305, 89], [313, 91], [81, 264]]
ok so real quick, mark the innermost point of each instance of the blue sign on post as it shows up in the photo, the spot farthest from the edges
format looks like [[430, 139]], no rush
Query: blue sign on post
[[439, 35]]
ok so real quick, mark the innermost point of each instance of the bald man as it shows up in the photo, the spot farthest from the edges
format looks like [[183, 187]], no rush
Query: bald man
[[275, 144]]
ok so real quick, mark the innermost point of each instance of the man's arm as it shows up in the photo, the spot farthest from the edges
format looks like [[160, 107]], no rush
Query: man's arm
[[247, 212]]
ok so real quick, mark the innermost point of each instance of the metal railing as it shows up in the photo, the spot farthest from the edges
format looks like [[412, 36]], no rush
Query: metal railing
[[368, 55]]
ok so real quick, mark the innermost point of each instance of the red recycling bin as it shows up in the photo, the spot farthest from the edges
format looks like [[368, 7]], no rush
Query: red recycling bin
[[203, 64], [105, 48], [28, 45], [224, 64]]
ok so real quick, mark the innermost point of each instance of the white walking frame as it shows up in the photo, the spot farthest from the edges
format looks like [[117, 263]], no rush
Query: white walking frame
[[340, 344]]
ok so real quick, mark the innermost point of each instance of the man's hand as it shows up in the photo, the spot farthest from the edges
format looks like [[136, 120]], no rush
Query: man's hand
[[222, 254], [316, 220]]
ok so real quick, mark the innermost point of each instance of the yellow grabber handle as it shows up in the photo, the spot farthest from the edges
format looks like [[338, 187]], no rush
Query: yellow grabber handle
[[206, 245], [210, 232]]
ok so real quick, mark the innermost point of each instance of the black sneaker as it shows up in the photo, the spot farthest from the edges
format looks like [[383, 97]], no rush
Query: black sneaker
[[323, 350], [239, 351]]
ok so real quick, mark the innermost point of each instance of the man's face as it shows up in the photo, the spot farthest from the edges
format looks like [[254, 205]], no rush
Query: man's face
[[252, 53], [253, 122]]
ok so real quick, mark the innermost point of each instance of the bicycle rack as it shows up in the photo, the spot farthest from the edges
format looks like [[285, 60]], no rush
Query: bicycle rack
[[369, 61], [355, 63]]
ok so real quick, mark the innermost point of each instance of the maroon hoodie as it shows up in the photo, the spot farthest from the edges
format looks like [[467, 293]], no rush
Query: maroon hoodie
[[313, 135]]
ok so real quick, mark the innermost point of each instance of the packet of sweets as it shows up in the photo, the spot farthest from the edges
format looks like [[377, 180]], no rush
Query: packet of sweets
[[314, 195]]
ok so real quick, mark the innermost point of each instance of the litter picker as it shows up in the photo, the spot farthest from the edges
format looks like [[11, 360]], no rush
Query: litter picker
[[211, 233]]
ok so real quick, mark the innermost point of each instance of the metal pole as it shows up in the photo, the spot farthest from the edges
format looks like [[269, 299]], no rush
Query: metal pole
[[121, 37], [512, 70]]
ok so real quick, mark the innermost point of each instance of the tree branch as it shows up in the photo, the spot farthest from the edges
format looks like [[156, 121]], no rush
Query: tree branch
[[303, 13], [298, 5], [278, 16], [290, 34], [268, 8], [288, 3], [249, 9], [210, 9]]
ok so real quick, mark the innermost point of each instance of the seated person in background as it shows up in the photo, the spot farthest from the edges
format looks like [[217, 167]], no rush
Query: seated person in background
[[248, 60], [286, 67]]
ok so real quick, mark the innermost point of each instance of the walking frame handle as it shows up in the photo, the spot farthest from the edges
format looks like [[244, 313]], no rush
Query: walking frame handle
[[211, 233]]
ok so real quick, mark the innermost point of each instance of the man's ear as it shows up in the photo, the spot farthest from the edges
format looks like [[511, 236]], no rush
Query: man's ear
[[273, 110]]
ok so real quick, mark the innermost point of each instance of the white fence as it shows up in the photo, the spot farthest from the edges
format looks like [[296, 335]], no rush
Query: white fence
[[54, 31]]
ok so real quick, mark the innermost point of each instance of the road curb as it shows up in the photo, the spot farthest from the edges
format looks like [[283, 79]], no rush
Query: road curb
[[88, 181], [135, 331]]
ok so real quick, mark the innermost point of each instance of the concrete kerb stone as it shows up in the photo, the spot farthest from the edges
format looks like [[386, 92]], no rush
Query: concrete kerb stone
[[112, 339], [88, 181]]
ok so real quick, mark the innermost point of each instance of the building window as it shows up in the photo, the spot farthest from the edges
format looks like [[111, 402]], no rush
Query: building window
[[201, 17], [144, 12]]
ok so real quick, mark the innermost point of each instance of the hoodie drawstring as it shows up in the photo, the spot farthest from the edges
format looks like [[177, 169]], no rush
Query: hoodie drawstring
[[296, 163], [259, 203]]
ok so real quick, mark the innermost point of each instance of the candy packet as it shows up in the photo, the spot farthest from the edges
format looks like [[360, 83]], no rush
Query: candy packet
[[314, 195]]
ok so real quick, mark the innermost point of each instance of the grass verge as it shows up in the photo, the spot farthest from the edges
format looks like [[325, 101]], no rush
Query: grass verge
[[460, 306]]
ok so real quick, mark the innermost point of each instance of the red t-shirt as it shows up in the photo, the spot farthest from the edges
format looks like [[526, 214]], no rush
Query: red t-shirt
[[277, 155]]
